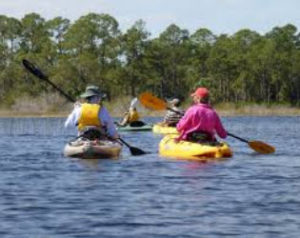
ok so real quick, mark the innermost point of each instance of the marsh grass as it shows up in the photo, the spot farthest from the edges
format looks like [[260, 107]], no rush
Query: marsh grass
[[230, 109], [55, 105], [45, 105]]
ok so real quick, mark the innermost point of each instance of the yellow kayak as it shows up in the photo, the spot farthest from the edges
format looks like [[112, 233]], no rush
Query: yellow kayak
[[192, 151], [159, 128]]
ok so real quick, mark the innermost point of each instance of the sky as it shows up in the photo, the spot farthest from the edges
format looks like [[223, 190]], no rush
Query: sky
[[219, 16]]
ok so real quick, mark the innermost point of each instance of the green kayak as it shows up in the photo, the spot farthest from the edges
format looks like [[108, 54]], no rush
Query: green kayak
[[144, 127]]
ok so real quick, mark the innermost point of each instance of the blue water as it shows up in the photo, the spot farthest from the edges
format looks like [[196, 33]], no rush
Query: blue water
[[45, 195]]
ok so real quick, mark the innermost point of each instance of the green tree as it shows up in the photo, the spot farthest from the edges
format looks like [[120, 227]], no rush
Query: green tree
[[222, 68], [169, 58], [92, 44], [201, 43], [134, 43], [57, 29], [285, 40]]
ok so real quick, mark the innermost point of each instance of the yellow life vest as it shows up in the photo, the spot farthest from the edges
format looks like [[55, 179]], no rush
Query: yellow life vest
[[89, 116], [133, 116]]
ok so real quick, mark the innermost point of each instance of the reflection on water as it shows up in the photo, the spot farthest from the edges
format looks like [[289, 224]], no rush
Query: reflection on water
[[44, 194]]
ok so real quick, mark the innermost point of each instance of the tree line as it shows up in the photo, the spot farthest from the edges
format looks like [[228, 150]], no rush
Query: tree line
[[243, 67]]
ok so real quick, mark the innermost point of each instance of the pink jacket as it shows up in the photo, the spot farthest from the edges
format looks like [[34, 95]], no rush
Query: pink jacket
[[201, 117]]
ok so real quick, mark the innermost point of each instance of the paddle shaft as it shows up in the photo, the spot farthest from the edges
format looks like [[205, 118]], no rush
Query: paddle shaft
[[38, 73], [58, 89], [124, 142], [239, 138]]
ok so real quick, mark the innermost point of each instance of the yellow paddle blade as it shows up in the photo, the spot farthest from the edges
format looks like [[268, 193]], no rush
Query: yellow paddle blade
[[152, 102], [261, 147]]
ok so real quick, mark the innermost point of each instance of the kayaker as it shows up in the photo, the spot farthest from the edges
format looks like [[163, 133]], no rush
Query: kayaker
[[90, 117], [130, 117], [173, 116], [200, 122]]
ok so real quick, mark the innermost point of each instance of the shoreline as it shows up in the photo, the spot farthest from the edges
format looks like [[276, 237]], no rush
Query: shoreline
[[228, 112], [53, 105]]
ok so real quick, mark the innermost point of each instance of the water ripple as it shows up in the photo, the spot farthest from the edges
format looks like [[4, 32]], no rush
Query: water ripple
[[44, 194]]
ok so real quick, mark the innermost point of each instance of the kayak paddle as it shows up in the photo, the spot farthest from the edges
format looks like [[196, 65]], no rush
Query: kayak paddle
[[133, 150], [38, 73], [154, 103], [258, 146]]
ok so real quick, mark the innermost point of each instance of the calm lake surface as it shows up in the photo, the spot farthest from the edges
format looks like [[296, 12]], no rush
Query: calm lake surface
[[45, 195]]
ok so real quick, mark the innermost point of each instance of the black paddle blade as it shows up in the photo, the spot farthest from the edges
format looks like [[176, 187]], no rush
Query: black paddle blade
[[137, 151], [133, 150], [33, 69]]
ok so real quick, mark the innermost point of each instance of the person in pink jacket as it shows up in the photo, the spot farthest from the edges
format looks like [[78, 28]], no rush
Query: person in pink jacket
[[200, 122]]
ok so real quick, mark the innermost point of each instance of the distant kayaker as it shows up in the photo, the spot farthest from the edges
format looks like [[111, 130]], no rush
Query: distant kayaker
[[200, 122], [91, 117], [131, 117], [174, 115]]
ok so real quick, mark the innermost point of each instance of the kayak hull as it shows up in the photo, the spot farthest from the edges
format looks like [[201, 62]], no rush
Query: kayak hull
[[146, 127], [158, 128], [86, 149], [186, 150]]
